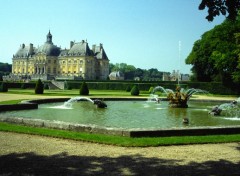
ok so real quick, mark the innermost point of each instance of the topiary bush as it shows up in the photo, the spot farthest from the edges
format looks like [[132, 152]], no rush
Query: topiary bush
[[39, 88], [3, 87], [128, 89], [135, 90], [150, 89], [84, 89]]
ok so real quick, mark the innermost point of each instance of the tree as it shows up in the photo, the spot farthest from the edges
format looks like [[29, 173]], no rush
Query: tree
[[135, 90], [215, 57], [220, 7], [84, 89], [130, 72], [39, 88], [236, 74]]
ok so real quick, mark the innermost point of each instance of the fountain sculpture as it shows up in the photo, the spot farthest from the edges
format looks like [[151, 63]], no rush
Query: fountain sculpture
[[230, 109], [180, 98], [97, 102]]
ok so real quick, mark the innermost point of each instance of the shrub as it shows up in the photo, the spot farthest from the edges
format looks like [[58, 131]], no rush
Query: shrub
[[84, 89], [39, 87], [135, 90], [3, 87], [151, 89], [128, 89]]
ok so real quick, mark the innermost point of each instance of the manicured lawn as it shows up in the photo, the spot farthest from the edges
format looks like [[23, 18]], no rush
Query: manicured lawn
[[75, 92], [120, 141]]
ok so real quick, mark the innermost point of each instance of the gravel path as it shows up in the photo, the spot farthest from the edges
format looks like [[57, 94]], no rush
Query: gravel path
[[22, 154]]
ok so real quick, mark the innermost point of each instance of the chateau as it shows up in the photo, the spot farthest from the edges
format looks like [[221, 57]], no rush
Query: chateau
[[49, 62]]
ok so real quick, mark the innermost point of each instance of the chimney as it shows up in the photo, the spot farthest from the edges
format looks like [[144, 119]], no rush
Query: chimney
[[30, 48], [71, 44], [93, 48]]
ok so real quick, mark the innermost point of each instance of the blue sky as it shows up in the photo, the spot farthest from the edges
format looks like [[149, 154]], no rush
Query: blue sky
[[143, 33]]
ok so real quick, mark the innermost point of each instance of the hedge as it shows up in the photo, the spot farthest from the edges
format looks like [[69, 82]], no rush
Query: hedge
[[211, 87]]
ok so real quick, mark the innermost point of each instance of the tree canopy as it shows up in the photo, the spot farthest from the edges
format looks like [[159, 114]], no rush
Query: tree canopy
[[130, 72], [215, 57], [227, 8]]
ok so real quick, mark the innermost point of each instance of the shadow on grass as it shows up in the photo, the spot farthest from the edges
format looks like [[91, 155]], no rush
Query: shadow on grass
[[64, 164]]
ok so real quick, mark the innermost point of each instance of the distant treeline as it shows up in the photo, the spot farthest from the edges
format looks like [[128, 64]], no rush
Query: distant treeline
[[5, 69]]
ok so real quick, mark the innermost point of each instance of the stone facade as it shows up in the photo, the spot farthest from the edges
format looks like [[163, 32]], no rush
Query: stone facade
[[49, 62]]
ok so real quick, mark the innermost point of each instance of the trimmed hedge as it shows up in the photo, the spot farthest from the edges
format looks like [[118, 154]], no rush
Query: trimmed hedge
[[19, 85], [211, 87]]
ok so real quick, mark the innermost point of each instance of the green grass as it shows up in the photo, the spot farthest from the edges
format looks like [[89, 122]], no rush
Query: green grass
[[75, 92], [11, 102], [118, 140]]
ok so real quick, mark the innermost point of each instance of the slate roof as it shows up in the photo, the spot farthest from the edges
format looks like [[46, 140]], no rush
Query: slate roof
[[24, 51], [77, 49], [49, 49], [80, 49]]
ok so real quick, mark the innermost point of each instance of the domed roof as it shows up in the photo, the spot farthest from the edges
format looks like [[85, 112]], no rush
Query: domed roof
[[48, 47]]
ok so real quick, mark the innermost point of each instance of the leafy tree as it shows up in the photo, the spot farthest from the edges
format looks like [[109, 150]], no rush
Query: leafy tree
[[139, 73], [220, 7], [5, 67], [3, 87], [39, 87], [215, 56], [135, 90], [130, 72], [84, 89]]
